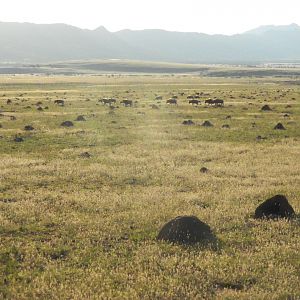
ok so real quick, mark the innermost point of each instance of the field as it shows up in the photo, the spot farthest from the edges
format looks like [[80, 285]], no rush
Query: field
[[80, 227]]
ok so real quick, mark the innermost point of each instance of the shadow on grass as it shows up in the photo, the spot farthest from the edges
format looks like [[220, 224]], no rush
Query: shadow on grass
[[212, 244]]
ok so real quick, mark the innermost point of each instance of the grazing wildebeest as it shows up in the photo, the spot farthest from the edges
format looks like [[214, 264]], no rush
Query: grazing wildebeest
[[60, 102], [218, 102], [172, 101], [209, 101], [108, 101], [194, 102], [127, 102], [112, 100], [190, 97], [158, 98]]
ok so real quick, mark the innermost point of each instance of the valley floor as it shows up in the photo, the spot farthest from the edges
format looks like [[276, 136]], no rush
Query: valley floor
[[80, 227]]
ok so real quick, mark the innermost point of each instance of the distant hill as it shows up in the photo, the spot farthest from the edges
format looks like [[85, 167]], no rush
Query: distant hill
[[33, 43], [281, 28]]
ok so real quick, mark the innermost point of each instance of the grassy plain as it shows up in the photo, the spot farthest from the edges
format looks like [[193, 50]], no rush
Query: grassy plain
[[85, 228]]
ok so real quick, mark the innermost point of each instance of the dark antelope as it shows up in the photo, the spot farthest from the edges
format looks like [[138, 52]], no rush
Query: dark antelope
[[216, 102], [172, 101], [194, 102], [60, 102], [127, 102], [108, 101]]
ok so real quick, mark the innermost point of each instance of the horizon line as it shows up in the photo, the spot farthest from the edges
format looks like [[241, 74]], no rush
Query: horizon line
[[159, 29]]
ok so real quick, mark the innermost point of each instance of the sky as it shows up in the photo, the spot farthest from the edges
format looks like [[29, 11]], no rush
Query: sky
[[207, 16]]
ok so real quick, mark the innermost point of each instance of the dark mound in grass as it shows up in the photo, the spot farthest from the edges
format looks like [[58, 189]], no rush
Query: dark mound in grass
[[259, 138], [28, 128], [186, 230], [207, 124], [85, 155], [18, 139], [80, 118], [226, 126], [275, 207], [188, 122], [279, 126], [203, 170], [266, 108], [67, 124]]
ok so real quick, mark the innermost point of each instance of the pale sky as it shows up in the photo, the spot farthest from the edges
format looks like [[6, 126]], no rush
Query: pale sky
[[207, 16]]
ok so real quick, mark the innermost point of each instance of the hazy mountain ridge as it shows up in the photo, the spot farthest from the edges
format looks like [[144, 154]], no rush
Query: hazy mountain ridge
[[267, 28], [26, 42]]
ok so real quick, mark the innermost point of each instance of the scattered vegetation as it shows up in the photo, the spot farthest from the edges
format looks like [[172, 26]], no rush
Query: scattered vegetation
[[81, 206]]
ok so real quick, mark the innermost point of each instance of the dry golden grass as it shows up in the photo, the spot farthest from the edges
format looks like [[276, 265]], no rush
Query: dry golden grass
[[85, 228]]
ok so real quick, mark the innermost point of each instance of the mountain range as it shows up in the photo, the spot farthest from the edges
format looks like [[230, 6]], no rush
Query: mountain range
[[36, 43]]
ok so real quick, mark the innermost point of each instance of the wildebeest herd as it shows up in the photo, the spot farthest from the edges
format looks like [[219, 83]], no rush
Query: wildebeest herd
[[111, 101], [193, 99]]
